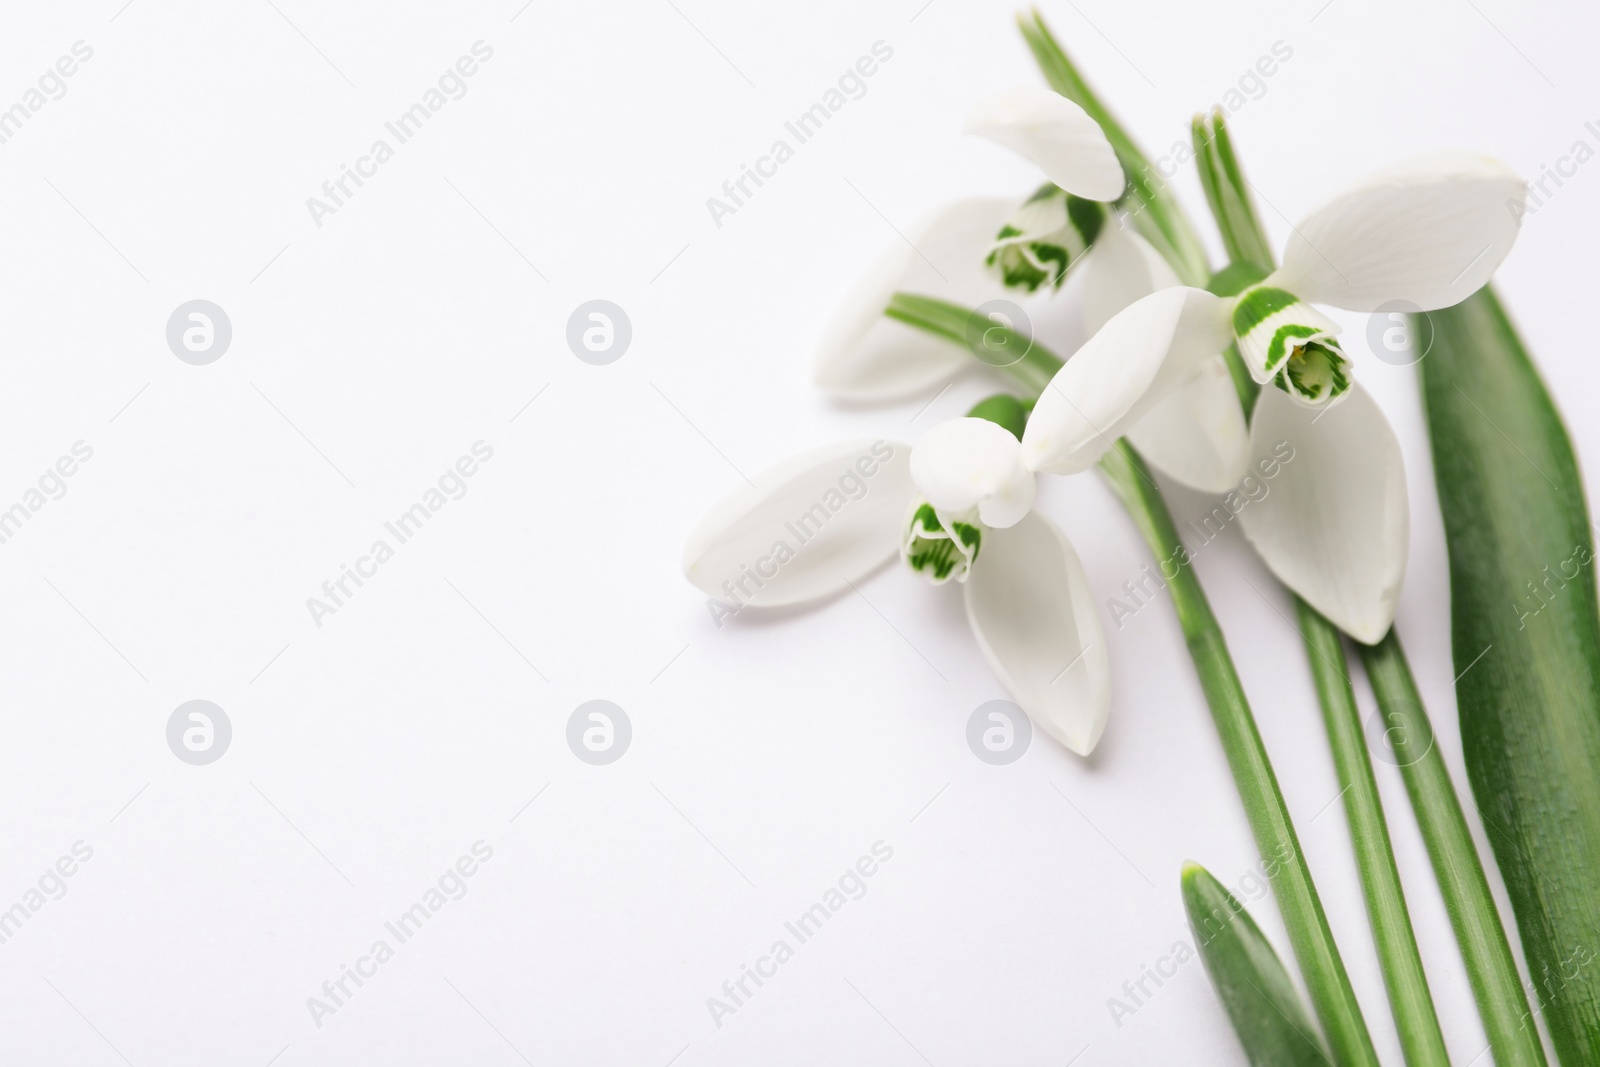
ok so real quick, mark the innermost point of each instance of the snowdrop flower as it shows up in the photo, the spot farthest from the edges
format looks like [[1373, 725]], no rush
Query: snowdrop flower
[[1334, 525], [957, 507], [1051, 231], [1427, 233], [955, 254]]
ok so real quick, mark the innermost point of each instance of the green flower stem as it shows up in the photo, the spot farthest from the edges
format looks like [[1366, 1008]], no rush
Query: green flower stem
[[1228, 195], [1407, 983], [1156, 211], [993, 342], [1502, 1001], [1331, 994]]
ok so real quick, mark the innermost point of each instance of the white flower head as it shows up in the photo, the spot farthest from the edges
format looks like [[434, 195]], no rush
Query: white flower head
[[970, 478], [1028, 600], [1053, 230], [1426, 233]]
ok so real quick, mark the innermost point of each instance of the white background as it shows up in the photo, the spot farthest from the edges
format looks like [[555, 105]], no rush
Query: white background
[[368, 354]]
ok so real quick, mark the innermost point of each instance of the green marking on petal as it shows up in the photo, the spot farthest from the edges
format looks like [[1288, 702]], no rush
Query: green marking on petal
[[939, 549], [1018, 269], [1257, 305], [1088, 216], [1044, 238], [1052, 256], [1272, 325], [1316, 374], [1047, 191], [1275, 350]]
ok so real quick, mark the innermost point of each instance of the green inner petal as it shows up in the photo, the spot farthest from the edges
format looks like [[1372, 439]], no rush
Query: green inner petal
[[1317, 372], [1280, 340], [1045, 237], [941, 552]]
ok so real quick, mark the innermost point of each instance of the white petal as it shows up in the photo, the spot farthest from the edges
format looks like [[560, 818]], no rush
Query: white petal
[[1054, 134], [806, 528], [1198, 433], [1148, 349], [1428, 231], [973, 463], [1121, 268], [1034, 616], [1334, 524], [864, 356]]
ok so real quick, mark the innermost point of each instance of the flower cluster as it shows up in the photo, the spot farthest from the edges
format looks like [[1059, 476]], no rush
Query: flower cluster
[[959, 506]]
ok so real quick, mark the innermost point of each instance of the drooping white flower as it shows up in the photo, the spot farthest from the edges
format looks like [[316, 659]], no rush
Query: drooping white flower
[[1427, 233], [1333, 527], [964, 252], [1028, 599], [958, 506], [1049, 233]]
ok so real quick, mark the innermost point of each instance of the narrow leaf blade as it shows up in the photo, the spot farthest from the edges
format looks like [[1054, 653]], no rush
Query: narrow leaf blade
[[1261, 1000]]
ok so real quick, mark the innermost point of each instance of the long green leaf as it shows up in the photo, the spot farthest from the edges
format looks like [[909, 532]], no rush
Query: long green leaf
[[1228, 194], [1491, 969], [1525, 631], [1259, 996]]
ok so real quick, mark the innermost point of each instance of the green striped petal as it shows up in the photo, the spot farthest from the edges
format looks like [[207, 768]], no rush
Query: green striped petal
[[938, 546], [1273, 324], [1045, 238], [1316, 374]]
